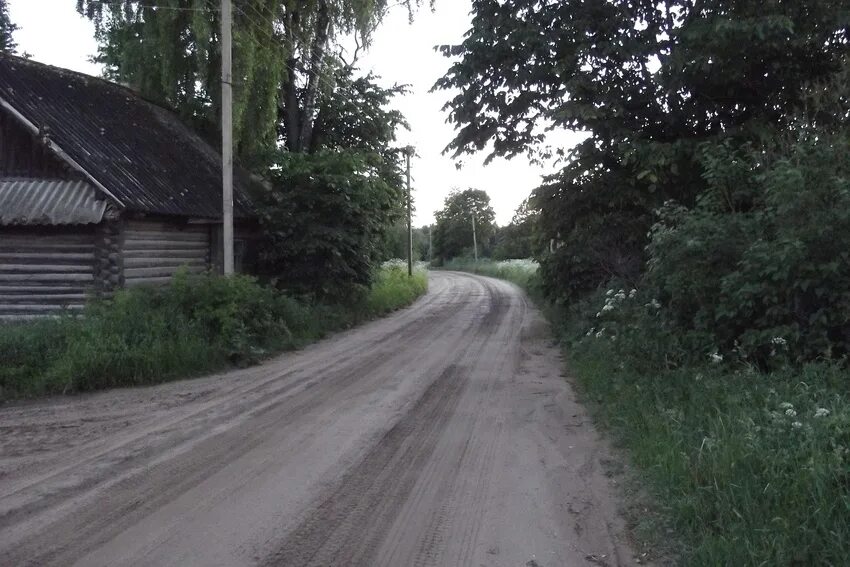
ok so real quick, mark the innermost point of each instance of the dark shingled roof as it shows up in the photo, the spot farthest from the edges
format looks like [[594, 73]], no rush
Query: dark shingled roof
[[139, 152]]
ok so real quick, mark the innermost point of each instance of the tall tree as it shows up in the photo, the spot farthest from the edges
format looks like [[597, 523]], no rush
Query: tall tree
[[7, 30], [650, 81], [285, 58], [453, 234]]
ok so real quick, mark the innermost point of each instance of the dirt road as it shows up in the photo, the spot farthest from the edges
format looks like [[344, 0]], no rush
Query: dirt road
[[443, 435]]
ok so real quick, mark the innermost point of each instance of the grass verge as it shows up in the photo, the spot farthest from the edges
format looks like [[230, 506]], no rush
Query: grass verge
[[741, 467], [520, 272], [194, 325]]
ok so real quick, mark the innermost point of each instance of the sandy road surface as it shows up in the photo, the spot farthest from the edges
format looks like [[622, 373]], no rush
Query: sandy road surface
[[443, 435]]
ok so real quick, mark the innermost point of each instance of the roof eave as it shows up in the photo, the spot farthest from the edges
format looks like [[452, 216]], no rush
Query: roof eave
[[59, 152]]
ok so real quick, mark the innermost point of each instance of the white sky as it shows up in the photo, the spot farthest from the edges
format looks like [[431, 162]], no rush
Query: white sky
[[52, 32]]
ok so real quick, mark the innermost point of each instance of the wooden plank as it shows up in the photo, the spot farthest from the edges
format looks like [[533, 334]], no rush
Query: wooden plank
[[46, 278], [140, 245], [29, 255], [188, 253], [33, 308], [188, 238], [161, 226], [45, 268], [41, 287], [37, 239], [175, 262], [154, 272]]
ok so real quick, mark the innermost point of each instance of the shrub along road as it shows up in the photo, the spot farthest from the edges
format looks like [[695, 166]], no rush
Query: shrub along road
[[442, 435]]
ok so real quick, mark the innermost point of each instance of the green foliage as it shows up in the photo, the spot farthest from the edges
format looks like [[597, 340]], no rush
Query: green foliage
[[325, 217], [7, 30], [744, 469], [453, 233], [395, 242], [196, 324], [650, 82], [172, 55], [518, 239], [763, 257], [521, 272], [284, 68], [393, 288]]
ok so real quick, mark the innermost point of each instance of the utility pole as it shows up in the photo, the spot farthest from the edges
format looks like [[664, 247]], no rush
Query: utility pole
[[474, 237], [408, 151], [227, 134]]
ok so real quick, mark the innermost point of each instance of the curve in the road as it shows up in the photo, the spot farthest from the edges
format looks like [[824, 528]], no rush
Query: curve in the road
[[442, 435]]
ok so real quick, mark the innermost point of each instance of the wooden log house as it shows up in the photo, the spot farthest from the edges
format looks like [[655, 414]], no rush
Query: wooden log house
[[99, 189]]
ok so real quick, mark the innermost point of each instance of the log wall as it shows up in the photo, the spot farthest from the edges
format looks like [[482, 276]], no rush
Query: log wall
[[154, 250], [44, 270]]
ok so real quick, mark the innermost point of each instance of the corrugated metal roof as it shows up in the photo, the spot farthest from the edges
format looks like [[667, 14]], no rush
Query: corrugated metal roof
[[49, 202], [139, 152]]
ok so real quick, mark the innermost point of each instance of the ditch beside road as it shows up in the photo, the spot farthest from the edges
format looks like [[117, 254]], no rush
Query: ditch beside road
[[444, 434]]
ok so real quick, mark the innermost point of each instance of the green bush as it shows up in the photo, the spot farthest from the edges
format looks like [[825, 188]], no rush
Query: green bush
[[325, 216], [749, 469], [195, 324], [392, 288], [760, 268]]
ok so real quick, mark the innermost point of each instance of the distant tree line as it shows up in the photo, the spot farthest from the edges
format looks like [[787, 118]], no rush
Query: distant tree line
[[453, 232]]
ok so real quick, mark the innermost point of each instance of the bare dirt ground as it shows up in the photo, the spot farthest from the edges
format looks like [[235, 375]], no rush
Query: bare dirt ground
[[442, 435]]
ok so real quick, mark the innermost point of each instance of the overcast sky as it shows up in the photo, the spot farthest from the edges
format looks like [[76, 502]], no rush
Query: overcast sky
[[52, 32]]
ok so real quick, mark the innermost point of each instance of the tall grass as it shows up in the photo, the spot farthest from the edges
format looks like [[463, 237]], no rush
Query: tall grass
[[194, 325], [740, 467], [749, 468], [520, 272]]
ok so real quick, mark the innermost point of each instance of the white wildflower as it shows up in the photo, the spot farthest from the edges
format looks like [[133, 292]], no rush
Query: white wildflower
[[632, 294], [599, 314], [609, 292], [600, 333], [796, 425], [654, 304], [790, 412], [613, 337], [590, 332], [786, 405], [607, 307], [779, 341], [716, 357], [821, 412]]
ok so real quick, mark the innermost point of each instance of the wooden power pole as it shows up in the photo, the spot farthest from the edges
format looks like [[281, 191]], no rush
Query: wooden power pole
[[474, 238], [408, 151], [227, 133]]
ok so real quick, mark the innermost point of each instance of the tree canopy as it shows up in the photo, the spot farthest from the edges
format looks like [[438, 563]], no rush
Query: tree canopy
[[287, 58], [649, 81], [453, 232], [7, 30], [690, 105]]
